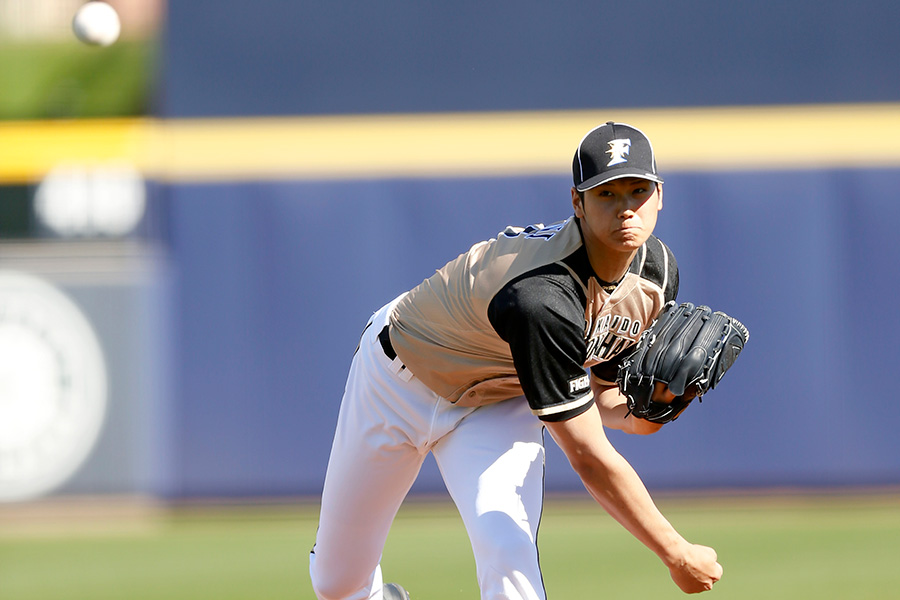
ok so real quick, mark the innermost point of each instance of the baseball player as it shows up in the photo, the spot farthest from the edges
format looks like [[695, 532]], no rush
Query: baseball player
[[520, 334]]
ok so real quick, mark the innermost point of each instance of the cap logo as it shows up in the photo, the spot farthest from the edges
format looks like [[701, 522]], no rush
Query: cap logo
[[618, 150]]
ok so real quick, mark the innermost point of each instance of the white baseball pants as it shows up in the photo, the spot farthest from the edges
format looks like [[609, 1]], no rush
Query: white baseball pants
[[491, 459]]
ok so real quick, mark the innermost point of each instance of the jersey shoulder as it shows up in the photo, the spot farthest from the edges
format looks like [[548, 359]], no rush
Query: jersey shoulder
[[544, 294]]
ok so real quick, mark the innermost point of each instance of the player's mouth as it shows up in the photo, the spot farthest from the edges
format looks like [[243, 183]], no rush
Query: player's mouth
[[629, 228]]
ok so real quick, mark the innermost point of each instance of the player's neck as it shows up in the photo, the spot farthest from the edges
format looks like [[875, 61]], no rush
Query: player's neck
[[610, 265]]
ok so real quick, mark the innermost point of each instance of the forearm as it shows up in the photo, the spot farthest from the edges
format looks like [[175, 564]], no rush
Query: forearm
[[616, 486], [614, 483]]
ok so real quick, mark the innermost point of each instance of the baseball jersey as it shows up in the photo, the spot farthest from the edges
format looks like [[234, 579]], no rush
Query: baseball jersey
[[524, 314]]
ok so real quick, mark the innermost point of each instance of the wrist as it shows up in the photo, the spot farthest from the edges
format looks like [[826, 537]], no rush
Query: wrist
[[674, 552]]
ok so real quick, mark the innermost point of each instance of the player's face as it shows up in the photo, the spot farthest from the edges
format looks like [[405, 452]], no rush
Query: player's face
[[620, 214]]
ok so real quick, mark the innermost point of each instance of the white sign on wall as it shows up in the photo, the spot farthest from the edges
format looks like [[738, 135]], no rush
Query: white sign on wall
[[53, 387]]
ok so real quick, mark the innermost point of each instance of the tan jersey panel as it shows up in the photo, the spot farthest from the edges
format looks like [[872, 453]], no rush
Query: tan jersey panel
[[441, 331]]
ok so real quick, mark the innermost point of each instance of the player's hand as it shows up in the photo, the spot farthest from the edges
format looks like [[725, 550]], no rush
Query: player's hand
[[662, 393], [697, 570]]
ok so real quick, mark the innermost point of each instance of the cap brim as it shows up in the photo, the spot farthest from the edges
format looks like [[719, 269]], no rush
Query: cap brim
[[606, 177]]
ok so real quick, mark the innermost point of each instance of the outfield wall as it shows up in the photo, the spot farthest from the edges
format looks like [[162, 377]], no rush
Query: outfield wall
[[276, 281], [227, 348]]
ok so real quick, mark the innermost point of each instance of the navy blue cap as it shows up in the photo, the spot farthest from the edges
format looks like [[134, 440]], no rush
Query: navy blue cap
[[613, 151]]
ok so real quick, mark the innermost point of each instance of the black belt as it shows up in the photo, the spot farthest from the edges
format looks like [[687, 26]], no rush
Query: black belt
[[385, 338]]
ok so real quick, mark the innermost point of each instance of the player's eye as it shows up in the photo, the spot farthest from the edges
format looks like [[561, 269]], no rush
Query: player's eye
[[641, 192]]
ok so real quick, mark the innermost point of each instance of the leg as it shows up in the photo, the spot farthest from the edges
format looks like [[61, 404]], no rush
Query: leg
[[493, 465], [374, 461]]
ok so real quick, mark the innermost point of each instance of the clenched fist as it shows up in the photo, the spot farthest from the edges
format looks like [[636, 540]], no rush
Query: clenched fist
[[697, 570]]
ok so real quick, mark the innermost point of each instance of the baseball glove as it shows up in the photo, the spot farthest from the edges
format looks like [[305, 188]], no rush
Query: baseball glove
[[688, 348]]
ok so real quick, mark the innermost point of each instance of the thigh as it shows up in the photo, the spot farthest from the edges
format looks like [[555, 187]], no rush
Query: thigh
[[493, 466], [374, 461]]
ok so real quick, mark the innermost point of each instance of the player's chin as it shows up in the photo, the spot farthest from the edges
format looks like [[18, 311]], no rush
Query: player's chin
[[628, 240]]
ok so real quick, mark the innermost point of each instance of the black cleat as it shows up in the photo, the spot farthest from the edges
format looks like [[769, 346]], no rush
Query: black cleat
[[392, 591]]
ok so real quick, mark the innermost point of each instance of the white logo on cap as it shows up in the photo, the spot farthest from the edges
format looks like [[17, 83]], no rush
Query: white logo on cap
[[618, 150]]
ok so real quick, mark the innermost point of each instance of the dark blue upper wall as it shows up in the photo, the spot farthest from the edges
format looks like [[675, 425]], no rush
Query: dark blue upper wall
[[278, 57]]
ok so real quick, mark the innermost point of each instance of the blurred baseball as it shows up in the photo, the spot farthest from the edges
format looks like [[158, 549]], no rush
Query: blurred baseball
[[97, 23]]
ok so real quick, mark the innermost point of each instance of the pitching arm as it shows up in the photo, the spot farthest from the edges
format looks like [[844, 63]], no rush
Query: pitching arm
[[616, 486]]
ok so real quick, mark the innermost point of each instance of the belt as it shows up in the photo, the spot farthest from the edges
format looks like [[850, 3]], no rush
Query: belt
[[385, 338], [397, 367]]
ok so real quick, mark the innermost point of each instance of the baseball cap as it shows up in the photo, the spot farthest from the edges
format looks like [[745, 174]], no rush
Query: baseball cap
[[612, 151]]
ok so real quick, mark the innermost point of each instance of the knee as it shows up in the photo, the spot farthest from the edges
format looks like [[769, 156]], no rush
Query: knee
[[335, 588], [335, 584], [506, 559], [504, 544], [336, 593]]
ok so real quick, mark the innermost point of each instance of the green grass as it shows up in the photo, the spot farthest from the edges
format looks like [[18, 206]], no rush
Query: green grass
[[792, 548], [72, 80]]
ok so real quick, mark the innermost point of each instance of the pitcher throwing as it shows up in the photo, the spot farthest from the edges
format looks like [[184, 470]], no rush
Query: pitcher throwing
[[521, 333]]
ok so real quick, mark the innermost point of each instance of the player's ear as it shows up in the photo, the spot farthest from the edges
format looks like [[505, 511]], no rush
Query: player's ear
[[578, 203], [659, 188]]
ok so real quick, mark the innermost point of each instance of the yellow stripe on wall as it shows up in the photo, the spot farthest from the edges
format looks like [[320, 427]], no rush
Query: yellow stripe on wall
[[465, 144]]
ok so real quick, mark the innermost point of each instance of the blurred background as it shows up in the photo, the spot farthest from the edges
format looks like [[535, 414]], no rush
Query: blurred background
[[197, 221]]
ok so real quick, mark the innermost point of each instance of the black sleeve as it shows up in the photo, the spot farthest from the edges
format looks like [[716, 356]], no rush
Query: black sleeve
[[541, 316]]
